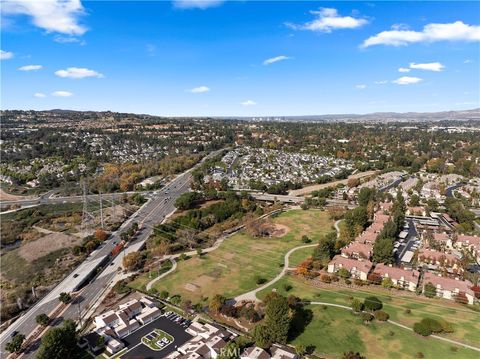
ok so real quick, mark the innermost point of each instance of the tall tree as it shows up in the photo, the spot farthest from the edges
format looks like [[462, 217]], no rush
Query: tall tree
[[59, 343], [277, 318]]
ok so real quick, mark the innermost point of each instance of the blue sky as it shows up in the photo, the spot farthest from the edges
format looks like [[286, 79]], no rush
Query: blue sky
[[240, 58]]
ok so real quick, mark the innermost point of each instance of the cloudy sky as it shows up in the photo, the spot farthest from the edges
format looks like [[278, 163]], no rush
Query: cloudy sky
[[212, 57]]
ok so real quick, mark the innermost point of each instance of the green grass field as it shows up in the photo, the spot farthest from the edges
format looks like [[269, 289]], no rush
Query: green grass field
[[466, 322], [334, 331], [300, 255], [236, 265]]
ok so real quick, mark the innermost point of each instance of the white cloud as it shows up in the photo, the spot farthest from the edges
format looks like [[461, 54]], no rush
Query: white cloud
[[407, 80], [199, 89], [39, 94], [431, 66], [403, 69], [248, 103], [361, 86], [52, 15], [381, 82], [62, 94], [455, 31], [276, 59], [78, 73], [327, 20], [68, 40], [196, 4], [30, 67], [5, 55], [468, 61]]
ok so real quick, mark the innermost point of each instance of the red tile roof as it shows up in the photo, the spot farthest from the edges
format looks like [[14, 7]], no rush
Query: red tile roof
[[397, 273], [448, 283], [359, 248], [347, 263], [475, 240], [435, 255]]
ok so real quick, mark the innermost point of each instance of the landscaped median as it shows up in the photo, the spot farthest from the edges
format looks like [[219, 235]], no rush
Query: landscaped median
[[157, 340]]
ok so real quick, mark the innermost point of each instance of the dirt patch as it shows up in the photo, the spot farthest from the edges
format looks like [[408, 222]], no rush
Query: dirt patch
[[4, 196], [203, 281], [191, 287], [47, 244], [215, 273], [229, 255], [280, 230]]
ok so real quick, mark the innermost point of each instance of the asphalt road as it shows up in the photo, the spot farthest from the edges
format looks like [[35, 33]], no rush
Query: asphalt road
[[151, 213], [49, 198]]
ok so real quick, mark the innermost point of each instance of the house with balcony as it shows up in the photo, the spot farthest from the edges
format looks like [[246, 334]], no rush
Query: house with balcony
[[401, 278], [357, 269], [450, 288]]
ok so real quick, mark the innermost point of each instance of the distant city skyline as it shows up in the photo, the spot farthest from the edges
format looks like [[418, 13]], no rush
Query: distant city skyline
[[240, 58]]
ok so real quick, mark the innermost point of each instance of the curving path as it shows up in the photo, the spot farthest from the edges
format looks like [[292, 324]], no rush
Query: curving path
[[217, 244], [401, 326], [337, 228], [152, 282], [252, 295]]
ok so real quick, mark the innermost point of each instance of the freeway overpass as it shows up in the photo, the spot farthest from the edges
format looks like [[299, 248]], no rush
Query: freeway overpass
[[259, 196]]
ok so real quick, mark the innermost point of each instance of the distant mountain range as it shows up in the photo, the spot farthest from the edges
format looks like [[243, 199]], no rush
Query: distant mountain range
[[463, 115], [376, 117]]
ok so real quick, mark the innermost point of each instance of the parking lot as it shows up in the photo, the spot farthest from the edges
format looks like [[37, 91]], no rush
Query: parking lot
[[411, 242], [168, 323]]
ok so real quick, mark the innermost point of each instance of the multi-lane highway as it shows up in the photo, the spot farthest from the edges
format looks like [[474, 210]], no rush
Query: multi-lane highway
[[89, 289], [50, 198]]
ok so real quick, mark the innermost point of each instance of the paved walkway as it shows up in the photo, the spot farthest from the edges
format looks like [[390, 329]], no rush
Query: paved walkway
[[152, 282], [217, 244], [252, 295], [337, 228], [402, 326]]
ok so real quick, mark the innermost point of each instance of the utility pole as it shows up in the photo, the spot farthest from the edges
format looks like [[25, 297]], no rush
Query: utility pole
[[79, 313], [114, 209], [101, 210]]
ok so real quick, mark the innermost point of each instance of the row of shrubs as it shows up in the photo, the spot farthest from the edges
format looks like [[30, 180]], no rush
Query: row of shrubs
[[428, 326], [370, 309]]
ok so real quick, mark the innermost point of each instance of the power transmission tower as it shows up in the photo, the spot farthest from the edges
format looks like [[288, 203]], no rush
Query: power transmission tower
[[86, 216]]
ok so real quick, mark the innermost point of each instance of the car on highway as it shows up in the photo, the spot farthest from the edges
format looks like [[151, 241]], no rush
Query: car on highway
[[15, 332], [75, 275]]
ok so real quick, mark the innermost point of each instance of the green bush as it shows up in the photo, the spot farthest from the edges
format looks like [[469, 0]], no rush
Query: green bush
[[446, 326], [432, 324], [421, 329], [367, 317], [372, 303], [357, 306], [260, 280], [381, 315]]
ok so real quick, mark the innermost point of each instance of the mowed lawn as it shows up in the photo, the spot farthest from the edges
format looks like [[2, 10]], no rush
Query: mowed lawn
[[334, 331], [236, 265], [465, 321], [300, 255]]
